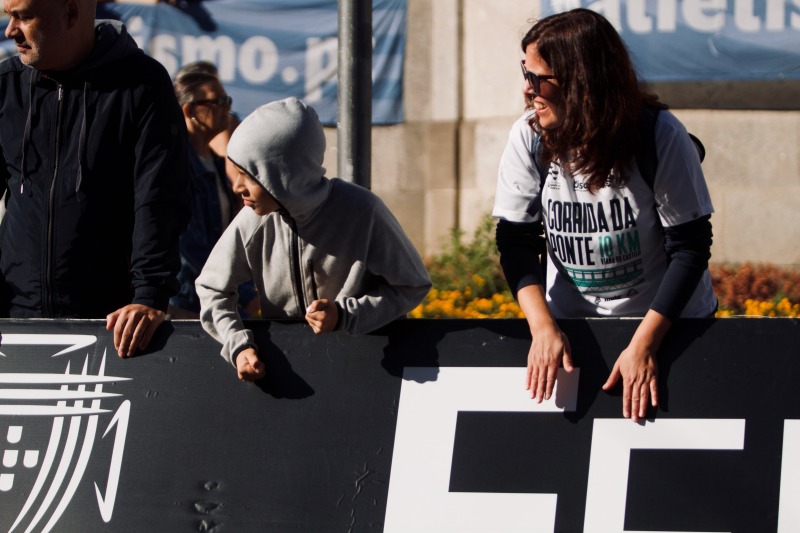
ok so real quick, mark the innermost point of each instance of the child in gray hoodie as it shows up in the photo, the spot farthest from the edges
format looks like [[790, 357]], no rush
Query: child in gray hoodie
[[317, 248]]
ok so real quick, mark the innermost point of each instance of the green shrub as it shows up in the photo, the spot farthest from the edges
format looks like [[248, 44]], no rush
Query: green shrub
[[475, 264]]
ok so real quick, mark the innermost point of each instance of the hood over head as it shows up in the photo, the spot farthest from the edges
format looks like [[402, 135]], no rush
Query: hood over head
[[282, 145]]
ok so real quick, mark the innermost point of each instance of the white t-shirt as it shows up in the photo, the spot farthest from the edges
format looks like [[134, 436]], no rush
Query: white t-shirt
[[606, 249]]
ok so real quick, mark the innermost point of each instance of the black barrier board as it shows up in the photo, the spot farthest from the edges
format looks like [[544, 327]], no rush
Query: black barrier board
[[421, 426]]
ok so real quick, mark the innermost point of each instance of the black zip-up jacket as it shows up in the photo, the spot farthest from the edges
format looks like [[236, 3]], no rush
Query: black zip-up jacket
[[95, 165]]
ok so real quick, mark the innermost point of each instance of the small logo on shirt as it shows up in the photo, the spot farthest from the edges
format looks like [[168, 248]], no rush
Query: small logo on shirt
[[552, 178]]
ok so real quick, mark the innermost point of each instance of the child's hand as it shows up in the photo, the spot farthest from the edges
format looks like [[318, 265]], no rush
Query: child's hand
[[322, 315], [249, 366]]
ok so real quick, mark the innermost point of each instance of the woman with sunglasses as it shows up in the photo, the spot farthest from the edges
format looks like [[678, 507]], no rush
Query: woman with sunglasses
[[206, 109], [616, 245]]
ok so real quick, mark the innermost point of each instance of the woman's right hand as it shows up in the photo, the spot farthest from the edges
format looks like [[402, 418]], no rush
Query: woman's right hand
[[549, 349], [549, 346]]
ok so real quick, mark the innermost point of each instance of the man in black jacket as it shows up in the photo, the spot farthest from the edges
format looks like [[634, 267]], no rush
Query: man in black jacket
[[93, 159]]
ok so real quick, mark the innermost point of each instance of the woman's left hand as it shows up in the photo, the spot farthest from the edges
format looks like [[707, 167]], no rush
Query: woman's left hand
[[639, 372], [638, 368]]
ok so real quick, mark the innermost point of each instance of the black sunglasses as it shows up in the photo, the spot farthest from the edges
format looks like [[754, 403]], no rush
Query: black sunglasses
[[223, 101], [534, 80]]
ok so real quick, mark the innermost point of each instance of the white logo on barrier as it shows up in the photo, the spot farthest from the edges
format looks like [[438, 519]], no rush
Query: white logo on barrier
[[419, 499], [72, 405], [612, 442]]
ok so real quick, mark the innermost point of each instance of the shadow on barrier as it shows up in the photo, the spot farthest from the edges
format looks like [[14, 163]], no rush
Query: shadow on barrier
[[281, 381], [159, 340], [397, 355], [595, 343], [686, 333]]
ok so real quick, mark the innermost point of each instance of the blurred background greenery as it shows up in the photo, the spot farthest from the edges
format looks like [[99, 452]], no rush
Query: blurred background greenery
[[468, 283]]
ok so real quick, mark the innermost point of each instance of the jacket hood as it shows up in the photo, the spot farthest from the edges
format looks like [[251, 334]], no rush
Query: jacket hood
[[112, 43], [282, 145]]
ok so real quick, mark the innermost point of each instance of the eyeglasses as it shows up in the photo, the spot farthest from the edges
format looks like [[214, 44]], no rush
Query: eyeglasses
[[222, 101], [534, 80]]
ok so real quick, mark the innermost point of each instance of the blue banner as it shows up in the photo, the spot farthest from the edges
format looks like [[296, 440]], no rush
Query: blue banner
[[267, 49], [703, 40]]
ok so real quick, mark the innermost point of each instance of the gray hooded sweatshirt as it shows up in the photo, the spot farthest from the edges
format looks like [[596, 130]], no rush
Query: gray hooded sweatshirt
[[330, 239]]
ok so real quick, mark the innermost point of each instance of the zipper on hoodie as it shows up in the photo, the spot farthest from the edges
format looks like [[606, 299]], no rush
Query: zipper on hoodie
[[296, 268], [314, 293], [49, 304]]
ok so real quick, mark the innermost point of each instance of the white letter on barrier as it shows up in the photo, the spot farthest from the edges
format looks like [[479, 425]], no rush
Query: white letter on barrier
[[789, 510], [419, 499], [612, 441]]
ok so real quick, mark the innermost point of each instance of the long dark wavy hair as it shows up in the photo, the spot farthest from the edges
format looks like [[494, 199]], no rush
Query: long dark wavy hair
[[601, 128]]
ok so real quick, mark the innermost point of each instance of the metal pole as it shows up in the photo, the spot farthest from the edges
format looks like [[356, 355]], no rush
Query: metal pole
[[355, 91]]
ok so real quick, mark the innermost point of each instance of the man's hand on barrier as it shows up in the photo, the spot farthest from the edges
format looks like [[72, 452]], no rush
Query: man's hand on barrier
[[249, 366], [134, 326]]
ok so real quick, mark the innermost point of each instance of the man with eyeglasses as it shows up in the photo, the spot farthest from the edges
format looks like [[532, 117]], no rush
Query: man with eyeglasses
[[92, 160]]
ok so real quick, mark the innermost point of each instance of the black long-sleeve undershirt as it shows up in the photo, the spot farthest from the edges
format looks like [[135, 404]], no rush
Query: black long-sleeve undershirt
[[522, 253], [522, 249], [688, 248]]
